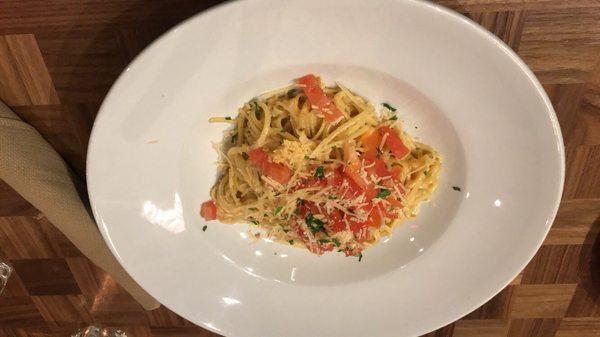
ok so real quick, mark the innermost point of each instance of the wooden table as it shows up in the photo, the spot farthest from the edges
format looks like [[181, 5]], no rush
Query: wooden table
[[59, 58]]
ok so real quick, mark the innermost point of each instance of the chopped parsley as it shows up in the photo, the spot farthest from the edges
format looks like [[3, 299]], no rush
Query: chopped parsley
[[394, 118], [291, 93], [257, 110], [291, 242], [426, 173], [204, 228], [285, 230], [314, 224], [456, 188], [234, 138], [331, 197], [255, 222], [359, 257], [245, 155], [253, 209], [389, 107], [336, 242], [227, 118], [277, 210], [320, 173], [383, 193], [322, 241]]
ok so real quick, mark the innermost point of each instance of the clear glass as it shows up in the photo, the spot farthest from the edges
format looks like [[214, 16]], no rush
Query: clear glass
[[99, 331], [5, 271]]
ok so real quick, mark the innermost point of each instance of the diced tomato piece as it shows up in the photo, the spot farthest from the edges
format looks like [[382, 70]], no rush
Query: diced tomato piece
[[258, 156], [394, 202], [385, 212], [336, 178], [316, 96], [307, 207], [208, 210], [377, 167], [393, 142], [352, 172], [370, 142], [381, 169], [335, 222], [396, 171], [356, 227], [374, 219], [310, 182], [278, 172]]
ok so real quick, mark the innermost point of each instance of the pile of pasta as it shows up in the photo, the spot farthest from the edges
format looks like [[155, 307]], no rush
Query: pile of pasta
[[318, 167]]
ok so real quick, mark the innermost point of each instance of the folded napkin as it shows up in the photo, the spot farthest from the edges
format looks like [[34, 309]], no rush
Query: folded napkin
[[37, 172]]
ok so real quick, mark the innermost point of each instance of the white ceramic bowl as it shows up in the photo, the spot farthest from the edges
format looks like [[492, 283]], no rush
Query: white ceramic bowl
[[460, 89]]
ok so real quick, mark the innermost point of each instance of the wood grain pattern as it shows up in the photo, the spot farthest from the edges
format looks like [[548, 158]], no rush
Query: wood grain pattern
[[541, 300], [58, 60], [23, 66], [537, 327], [507, 25], [480, 328]]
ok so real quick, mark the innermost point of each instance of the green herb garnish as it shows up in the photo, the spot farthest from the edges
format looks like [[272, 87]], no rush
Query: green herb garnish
[[314, 224], [389, 107], [359, 257], [257, 110], [253, 209], [336, 242], [234, 138], [204, 228], [291, 242], [291, 93], [227, 118], [277, 210], [456, 188], [383, 193], [322, 241], [255, 222], [245, 155], [331, 197], [319, 173], [394, 118]]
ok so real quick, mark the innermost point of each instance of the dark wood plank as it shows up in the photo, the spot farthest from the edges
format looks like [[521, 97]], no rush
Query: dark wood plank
[[46, 276]]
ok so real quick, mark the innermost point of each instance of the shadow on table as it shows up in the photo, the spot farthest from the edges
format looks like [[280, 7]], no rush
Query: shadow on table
[[589, 265]]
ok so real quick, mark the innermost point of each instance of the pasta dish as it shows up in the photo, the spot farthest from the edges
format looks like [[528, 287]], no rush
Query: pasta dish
[[320, 168]]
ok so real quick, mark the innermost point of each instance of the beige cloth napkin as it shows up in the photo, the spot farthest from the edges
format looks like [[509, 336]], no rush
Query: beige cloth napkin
[[37, 172]]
